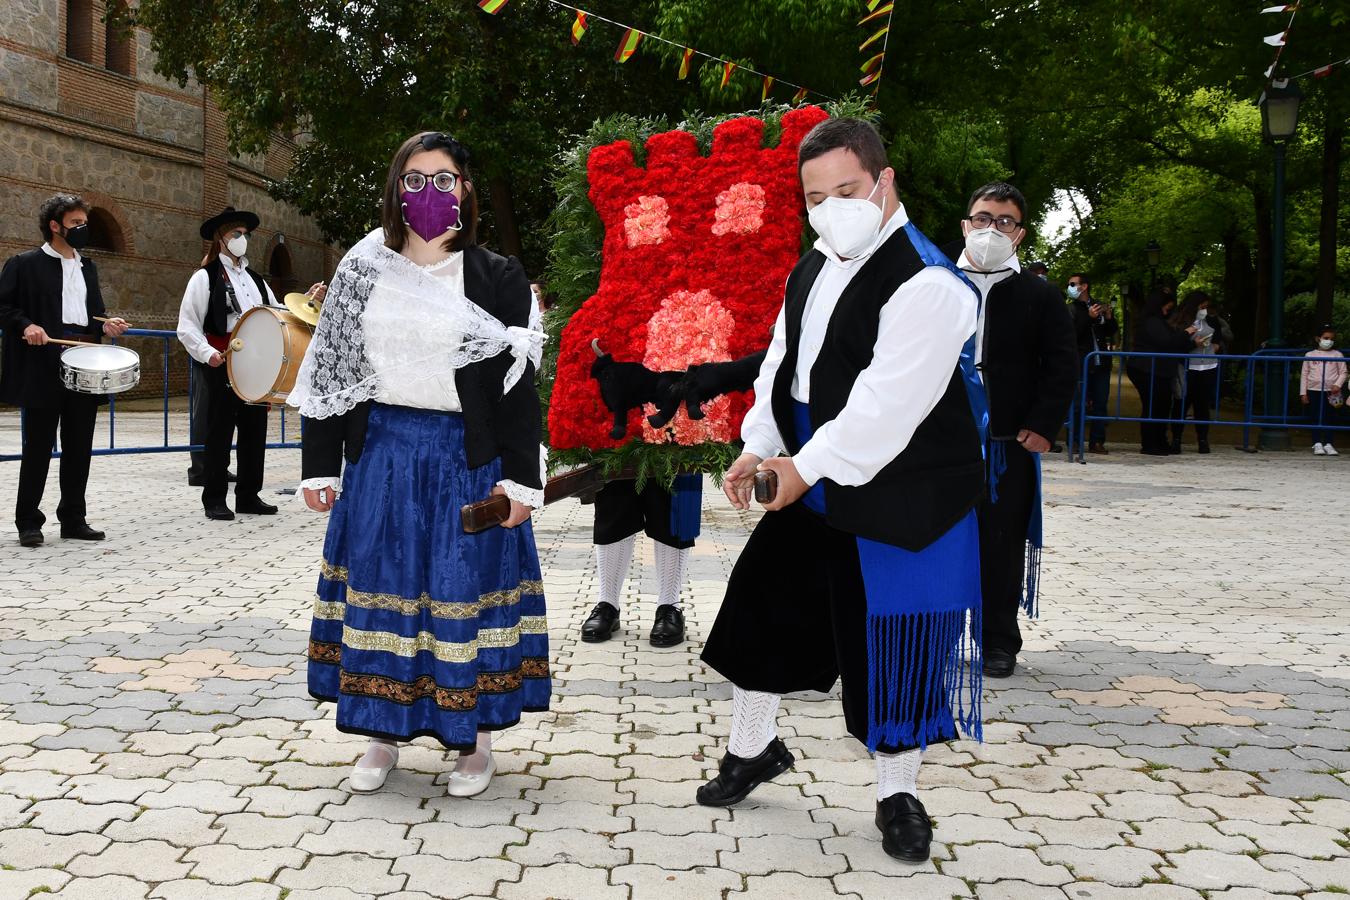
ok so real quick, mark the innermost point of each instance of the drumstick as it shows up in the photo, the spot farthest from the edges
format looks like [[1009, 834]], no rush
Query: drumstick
[[107, 319], [52, 340]]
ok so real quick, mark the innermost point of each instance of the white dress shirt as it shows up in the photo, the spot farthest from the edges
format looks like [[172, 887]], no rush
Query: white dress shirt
[[74, 292], [192, 312], [985, 281], [403, 333], [919, 338]]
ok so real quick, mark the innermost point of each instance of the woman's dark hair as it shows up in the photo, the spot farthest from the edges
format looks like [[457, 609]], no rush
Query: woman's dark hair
[[54, 209], [391, 213], [1153, 305], [1324, 329], [1184, 315]]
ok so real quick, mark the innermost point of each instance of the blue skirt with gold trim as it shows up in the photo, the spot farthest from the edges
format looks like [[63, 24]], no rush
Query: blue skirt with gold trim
[[420, 628]]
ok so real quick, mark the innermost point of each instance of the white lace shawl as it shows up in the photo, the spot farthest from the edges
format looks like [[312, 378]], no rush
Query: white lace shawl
[[337, 374]]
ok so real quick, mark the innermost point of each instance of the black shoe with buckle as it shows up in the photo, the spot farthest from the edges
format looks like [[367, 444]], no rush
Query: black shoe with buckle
[[737, 776], [30, 537], [999, 663], [668, 629], [80, 531], [906, 830], [254, 506], [601, 624], [220, 513]]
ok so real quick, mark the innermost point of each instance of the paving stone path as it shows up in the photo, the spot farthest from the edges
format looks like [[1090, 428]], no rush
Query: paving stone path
[[1179, 726]]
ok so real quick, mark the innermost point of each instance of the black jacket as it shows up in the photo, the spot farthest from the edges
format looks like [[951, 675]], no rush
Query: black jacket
[[1156, 335], [1030, 363], [495, 425], [30, 294], [939, 476], [1085, 328]]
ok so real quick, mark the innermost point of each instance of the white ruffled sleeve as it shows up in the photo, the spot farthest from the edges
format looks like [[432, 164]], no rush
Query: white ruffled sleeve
[[528, 496]]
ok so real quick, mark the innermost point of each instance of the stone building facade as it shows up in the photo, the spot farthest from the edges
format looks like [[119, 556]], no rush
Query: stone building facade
[[82, 111]]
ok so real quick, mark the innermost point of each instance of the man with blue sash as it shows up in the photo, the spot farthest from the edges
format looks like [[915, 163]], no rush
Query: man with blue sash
[[1028, 360], [865, 566]]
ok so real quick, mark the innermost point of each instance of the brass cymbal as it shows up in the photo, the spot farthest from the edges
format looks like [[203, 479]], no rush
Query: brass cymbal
[[303, 308]]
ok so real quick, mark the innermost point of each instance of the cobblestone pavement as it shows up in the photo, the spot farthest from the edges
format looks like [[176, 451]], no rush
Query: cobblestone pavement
[[1179, 726]]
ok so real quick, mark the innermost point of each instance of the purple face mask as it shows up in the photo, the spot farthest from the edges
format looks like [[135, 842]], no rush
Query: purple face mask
[[431, 213]]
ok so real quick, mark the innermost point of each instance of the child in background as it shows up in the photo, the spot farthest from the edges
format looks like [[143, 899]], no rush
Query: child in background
[[1320, 388]]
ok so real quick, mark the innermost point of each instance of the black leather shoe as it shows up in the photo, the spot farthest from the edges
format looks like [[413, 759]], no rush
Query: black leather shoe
[[737, 777], [219, 513], [601, 625], [81, 532], [999, 663], [30, 538], [255, 506], [906, 831], [668, 629], [1202, 447], [196, 480]]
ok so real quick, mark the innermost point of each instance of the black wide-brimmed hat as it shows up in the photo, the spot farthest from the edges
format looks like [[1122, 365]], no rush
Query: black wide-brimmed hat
[[228, 216]]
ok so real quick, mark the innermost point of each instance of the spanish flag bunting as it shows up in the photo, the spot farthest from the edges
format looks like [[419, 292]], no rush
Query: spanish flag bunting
[[1323, 72], [578, 28], [872, 5], [873, 16], [799, 96], [1276, 40], [726, 74], [491, 6], [865, 81], [685, 60], [881, 33], [1280, 9], [873, 63], [628, 46], [768, 86]]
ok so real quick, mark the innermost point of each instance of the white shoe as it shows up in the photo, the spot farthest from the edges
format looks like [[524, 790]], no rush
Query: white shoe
[[365, 779], [1329, 450], [1318, 451], [462, 784]]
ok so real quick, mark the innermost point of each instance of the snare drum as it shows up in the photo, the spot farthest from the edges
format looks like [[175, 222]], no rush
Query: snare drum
[[266, 349], [101, 369]]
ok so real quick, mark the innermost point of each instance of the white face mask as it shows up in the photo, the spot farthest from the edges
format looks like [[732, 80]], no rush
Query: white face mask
[[989, 248], [1202, 315], [848, 226], [1326, 343], [237, 245], [1074, 291]]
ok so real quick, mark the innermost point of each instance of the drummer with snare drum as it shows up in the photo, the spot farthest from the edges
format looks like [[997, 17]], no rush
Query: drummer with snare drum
[[52, 293], [222, 290]]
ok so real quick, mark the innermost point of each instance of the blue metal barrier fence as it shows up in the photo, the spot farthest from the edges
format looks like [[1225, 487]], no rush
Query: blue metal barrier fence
[[168, 338], [1262, 372]]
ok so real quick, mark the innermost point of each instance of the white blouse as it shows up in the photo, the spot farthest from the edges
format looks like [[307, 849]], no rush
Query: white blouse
[[399, 330]]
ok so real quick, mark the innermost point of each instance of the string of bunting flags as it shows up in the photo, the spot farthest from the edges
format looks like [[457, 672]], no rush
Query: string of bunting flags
[[877, 10], [1325, 71], [633, 37], [1281, 38]]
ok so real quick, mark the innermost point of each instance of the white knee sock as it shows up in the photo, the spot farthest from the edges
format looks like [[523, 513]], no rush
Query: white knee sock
[[672, 564], [611, 565], [898, 773], [379, 754], [753, 722]]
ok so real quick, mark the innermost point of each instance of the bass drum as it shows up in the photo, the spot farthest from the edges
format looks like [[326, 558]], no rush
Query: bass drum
[[266, 349]]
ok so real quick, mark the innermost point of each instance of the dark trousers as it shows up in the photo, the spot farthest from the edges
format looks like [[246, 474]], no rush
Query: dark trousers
[[1155, 396], [1098, 400], [74, 419], [227, 413], [621, 510], [1003, 549], [200, 403], [1200, 398], [1320, 414]]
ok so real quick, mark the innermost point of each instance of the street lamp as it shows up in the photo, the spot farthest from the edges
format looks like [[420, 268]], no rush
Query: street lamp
[[1154, 254], [1279, 121]]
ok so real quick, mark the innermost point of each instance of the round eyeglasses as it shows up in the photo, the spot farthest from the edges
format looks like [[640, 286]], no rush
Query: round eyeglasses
[[444, 181], [1005, 224]]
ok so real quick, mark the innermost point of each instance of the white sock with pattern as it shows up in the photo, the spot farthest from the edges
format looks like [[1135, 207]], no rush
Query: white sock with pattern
[[754, 717], [611, 568], [476, 763], [672, 564], [898, 773], [380, 754]]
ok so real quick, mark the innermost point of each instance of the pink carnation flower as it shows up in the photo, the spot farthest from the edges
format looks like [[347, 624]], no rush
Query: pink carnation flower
[[647, 222], [690, 328], [740, 209]]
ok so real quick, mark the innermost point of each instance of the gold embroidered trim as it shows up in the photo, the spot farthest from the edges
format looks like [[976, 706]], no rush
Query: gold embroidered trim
[[412, 607], [533, 625], [532, 587], [328, 610], [332, 572], [425, 642]]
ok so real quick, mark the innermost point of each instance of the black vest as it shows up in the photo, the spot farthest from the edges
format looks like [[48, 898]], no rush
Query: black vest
[[218, 303], [939, 476]]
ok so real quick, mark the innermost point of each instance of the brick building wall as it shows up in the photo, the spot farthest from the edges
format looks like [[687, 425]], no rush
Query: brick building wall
[[82, 111]]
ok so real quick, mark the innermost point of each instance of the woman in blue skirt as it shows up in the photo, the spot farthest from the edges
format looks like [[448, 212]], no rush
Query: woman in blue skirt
[[420, 375]]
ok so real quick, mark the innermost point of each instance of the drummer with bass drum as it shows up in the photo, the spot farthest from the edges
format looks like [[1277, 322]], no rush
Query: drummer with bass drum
[[222, 290], [52, 294]]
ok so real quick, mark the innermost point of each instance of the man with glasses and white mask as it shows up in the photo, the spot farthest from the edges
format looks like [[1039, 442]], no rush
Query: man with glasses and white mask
[[1027, 359], [867, 409], [217, 294]]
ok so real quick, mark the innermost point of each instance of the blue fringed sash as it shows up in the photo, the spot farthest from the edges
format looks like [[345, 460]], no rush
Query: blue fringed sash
[[686, 506]]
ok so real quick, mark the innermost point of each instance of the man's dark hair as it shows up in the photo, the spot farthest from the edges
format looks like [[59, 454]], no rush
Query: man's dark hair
[[1083, 277], [54, 209], [857, 136], [1037, 266], [999, 191]]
